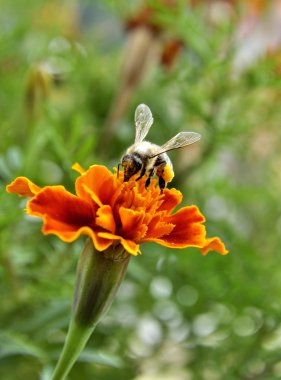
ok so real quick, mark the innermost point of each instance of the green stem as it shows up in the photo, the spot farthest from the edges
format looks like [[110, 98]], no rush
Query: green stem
[[99, 275], [76, 340]]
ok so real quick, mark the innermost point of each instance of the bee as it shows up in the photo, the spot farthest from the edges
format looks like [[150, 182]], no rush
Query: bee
[[149, 159]]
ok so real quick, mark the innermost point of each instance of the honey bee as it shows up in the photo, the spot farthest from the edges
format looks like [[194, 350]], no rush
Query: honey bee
[[148, 158]]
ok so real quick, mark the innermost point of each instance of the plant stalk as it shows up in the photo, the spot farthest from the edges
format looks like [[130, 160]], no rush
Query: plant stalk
[[98, 277]]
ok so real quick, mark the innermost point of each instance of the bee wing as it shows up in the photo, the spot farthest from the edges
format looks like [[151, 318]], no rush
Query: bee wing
[[143, 122], [180, 140]]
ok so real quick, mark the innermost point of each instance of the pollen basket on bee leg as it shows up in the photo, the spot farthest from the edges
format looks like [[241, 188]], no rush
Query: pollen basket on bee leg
[[168, 173]]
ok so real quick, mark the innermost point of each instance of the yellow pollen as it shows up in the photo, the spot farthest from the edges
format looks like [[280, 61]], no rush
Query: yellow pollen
[[168, 173]]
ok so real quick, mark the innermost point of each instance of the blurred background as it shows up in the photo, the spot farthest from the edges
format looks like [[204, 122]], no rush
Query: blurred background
[[71, 75]]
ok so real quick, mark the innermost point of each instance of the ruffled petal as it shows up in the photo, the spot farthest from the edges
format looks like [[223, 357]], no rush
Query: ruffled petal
[[186, 215], [63, 213], [69, 236], [171, 198], [97, 183], [214, 244], [100, 243], [90, 196], [23, 187], [129, 245], [188, 231], [132, 226], [159, 229], [105, 218]]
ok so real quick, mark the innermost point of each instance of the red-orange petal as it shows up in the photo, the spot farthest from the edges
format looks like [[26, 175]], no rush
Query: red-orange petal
[[186, 215], [214, 244], [160, 229], [188, 231], [63, 213], [69, 236], [23, 187], [171, 198]]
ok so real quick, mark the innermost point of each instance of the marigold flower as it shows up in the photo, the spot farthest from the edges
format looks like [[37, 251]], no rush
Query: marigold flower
[[112, 211], [117, 216]]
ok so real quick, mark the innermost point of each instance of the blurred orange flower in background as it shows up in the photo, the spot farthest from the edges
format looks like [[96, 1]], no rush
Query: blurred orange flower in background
[[112, 211]]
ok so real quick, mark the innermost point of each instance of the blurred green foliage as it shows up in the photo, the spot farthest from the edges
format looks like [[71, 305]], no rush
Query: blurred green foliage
[[178, 315]]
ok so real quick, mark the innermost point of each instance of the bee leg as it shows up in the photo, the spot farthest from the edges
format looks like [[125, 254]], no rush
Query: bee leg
[[162, 184], [118, 170], [147, 182], [142, 173]]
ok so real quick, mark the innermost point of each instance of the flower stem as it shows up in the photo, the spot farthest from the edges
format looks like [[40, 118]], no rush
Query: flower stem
[[76, 340], [99, 275]]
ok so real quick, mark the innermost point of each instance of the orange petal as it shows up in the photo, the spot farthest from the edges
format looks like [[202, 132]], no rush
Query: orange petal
[[23, 187], [186, 215], [63, 213], [105, 218], [159, 229], [188, 230], [132, 224], [89, 195], [98, 180], [99, 242], [171, 199], [214, 244], [129, 245]]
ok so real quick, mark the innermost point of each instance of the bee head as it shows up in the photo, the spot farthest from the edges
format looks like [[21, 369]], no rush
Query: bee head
[[131, 163]]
